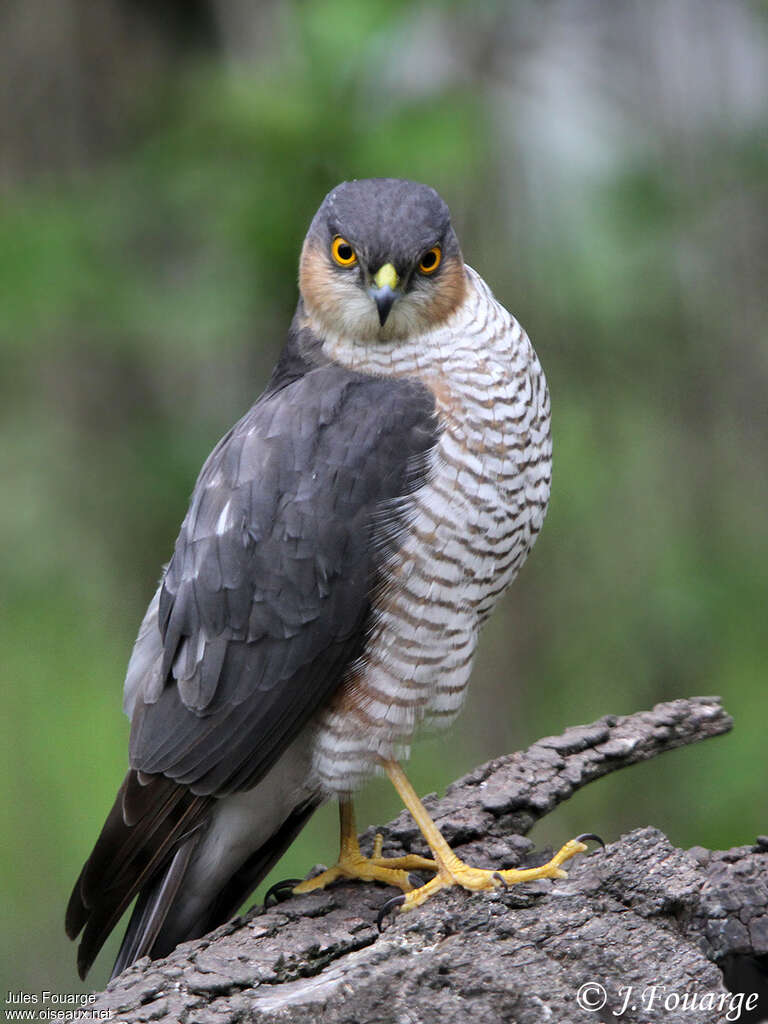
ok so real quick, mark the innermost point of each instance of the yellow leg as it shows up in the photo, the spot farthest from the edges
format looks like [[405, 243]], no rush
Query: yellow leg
[[352, 864], [452, 871]]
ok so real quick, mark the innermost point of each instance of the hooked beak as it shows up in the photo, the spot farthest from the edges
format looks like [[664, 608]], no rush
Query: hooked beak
[[385, 291]]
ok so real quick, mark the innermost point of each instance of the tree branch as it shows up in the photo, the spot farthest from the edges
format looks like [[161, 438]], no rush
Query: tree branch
[[639, 914]]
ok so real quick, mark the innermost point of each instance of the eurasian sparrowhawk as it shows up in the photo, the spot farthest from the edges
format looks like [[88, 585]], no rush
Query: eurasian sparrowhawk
[[344, 543]]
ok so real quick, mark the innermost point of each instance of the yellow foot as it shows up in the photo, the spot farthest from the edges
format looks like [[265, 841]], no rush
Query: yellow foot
[[352, 864], [452, 871]]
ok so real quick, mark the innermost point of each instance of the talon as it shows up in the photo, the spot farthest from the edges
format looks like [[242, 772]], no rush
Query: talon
[[280, 891], [585, 836], [500, 878], [387, 908]]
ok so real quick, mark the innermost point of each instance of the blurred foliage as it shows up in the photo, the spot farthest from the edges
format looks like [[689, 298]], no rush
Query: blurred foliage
[[144, 298]]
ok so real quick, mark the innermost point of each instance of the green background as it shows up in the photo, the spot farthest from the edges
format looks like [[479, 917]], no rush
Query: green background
[[607, 169]]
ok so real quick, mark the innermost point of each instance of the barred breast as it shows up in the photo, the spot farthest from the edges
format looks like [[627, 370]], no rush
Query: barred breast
[[470, 529]]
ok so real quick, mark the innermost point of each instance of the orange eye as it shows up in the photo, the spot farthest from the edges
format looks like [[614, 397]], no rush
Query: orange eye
[[430, 261], [343, 252]]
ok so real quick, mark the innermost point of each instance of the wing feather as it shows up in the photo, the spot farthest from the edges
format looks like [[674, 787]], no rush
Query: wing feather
[[262, 608], [284, 528]]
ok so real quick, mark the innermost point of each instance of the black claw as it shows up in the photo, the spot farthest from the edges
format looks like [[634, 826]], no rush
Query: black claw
[[585, 836], [280, 891], [387, 908], [500, 878]]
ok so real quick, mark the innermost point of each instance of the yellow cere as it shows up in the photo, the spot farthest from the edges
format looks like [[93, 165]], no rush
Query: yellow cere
[[386, 276]]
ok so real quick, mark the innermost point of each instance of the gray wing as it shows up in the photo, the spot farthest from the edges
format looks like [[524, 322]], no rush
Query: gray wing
[[263, 606], [266, 599]]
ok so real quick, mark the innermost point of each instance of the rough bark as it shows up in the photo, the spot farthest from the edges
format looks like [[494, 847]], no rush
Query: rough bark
[[641, 914]]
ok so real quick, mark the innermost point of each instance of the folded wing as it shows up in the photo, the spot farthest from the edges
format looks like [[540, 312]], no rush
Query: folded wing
[[263, 606]]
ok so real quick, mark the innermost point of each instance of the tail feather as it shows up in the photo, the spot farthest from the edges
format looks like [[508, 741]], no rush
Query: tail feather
[[152, 908], [185, 857], [242, 883], [168, 925], [127, 857]]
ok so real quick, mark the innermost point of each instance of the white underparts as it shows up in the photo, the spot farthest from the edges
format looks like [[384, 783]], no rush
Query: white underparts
[[471, 527]]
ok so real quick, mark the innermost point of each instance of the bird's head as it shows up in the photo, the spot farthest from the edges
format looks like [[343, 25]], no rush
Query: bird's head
[[381, 261]]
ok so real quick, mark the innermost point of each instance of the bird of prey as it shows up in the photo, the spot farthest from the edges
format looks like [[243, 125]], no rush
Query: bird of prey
[[344, 543]]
